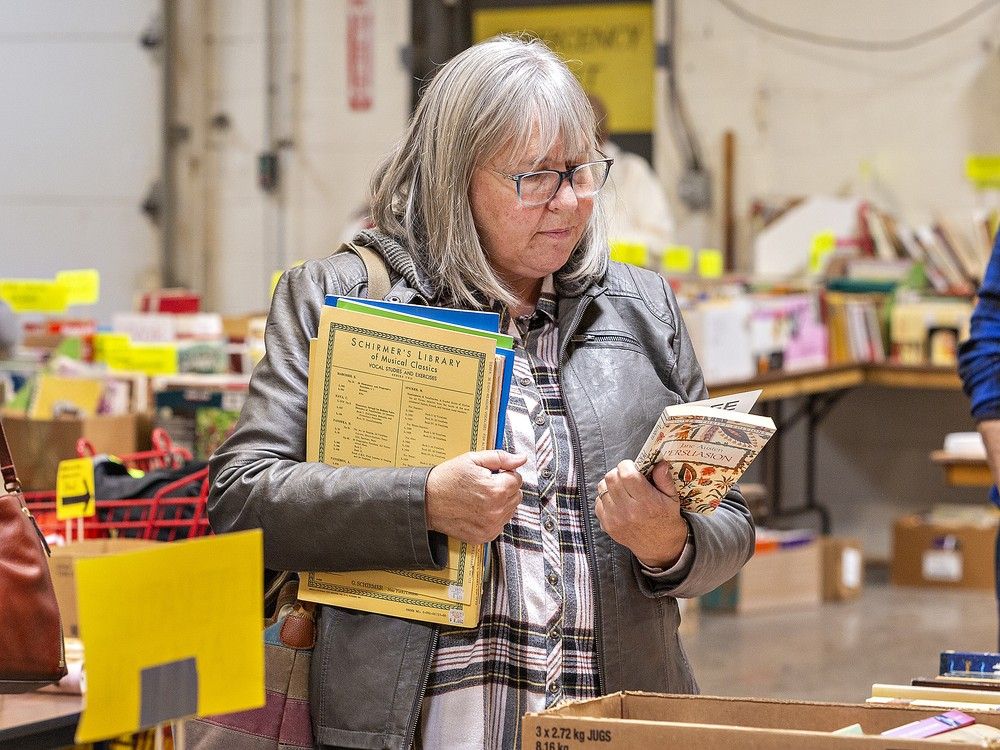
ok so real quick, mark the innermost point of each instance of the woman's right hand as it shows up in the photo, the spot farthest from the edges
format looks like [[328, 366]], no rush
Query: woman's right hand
[[471, 497]]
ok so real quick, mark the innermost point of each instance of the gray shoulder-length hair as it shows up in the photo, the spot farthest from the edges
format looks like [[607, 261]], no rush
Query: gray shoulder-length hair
[[495, 95]]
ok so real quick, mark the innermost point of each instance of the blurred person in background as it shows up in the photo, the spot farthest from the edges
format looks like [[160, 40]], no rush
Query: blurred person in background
[[636, 201]]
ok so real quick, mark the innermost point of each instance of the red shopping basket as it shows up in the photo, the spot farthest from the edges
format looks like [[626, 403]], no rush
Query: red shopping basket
[[159, 516]]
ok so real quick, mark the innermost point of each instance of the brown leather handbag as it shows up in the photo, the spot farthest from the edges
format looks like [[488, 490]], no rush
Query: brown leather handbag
[[31, 640]]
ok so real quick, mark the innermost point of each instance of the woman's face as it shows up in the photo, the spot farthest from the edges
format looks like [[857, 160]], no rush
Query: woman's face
[[526, 244]]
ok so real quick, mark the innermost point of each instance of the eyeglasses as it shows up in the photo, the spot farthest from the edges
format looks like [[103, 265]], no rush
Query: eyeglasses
[[538, 188]]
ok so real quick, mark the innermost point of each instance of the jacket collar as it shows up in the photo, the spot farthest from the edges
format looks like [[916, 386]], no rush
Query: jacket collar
[[404, 262]]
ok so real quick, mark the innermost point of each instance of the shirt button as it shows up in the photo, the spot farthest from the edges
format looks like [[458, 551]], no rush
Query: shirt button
[[549, 524], [546, 473], [553, 578], [555, 634], [540, 420], [554, 687], [525, 380]]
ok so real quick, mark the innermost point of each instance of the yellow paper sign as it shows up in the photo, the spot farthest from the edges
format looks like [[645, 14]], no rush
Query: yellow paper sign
[[34, 295], [609, 47], [635, 253], [678, 259], [710, 264], [983, 170], [151, 359], [275, 278], [171, 631], [75, 489], [110, 345], [83, 286], [823, 243]]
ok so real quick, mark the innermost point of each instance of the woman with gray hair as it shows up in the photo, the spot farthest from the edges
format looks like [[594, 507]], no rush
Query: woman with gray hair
[[489, 203]]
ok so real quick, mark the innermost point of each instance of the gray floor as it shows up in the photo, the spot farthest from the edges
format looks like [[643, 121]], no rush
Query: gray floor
[[835, 651]]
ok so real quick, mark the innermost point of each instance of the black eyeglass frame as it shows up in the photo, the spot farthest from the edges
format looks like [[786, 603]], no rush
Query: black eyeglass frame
[[563, 176]]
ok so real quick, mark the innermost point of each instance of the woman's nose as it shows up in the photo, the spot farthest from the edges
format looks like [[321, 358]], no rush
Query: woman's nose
[[565, 197]]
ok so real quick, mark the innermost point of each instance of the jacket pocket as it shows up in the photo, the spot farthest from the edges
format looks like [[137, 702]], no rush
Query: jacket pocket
[[609, 340]]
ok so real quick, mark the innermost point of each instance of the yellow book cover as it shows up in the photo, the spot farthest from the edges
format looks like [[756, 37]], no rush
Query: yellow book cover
[[55, 395], [385, 392]]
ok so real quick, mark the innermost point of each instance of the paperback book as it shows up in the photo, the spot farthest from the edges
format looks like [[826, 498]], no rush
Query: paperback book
[[708, 445]]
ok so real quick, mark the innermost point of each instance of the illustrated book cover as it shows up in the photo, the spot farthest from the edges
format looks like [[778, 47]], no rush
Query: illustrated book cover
[[708, 444]]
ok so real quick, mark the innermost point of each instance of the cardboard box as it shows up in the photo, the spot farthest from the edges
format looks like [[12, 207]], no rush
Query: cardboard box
[[941, 555], [843, 568], [636, 721], [62, 566], [38, 445], [773, 579]]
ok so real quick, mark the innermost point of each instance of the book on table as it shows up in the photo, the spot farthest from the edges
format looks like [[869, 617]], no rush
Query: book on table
[[708, 445], [393, 388]]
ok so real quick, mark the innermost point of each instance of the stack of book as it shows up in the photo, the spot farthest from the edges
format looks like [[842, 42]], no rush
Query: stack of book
[[966, 680], [404, 386]]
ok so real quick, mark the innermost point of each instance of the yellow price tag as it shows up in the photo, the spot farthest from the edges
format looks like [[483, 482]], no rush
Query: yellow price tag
[[710, 265], [634, 253], [151, 359], [983, 170], [111, 347], [34, 295], [823, 243], [678, 259], [83, 286], [75, 489]]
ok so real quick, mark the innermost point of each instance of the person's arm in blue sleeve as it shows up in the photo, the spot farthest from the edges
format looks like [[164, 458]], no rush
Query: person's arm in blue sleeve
[[979, 363]]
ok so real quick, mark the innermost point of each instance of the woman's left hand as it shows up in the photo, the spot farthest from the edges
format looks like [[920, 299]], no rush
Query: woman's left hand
[[643, 515]]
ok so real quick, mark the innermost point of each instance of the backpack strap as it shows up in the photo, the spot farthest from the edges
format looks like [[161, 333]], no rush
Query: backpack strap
[[375, 267]]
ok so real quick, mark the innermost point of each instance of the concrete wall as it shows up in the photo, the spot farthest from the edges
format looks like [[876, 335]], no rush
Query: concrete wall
[[894, 126], [79, 143]]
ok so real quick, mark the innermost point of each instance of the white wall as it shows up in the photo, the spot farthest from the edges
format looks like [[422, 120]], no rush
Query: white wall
[[79, 143], [234, 235], [808, 119]]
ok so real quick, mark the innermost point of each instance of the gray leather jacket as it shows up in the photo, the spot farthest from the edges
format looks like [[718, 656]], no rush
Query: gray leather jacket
[[624, 355]]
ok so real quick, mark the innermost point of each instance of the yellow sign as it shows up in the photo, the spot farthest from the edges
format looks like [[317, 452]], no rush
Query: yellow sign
[[983, 170], [171, 631], [34, 295], [609, 47], [823, 243], [635, 253], [275, 278], [75, 489], [83, 286], [710, 263], [151, 359], [678, 259], [110, 345]]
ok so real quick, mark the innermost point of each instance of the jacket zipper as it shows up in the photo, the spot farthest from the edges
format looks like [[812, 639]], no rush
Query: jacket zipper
[[588, 538], [587, 338], [411, 731]]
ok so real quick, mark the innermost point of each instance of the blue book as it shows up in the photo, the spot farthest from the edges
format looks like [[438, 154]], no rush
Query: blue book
[[984, 663], [508, 376], [479, 319]]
